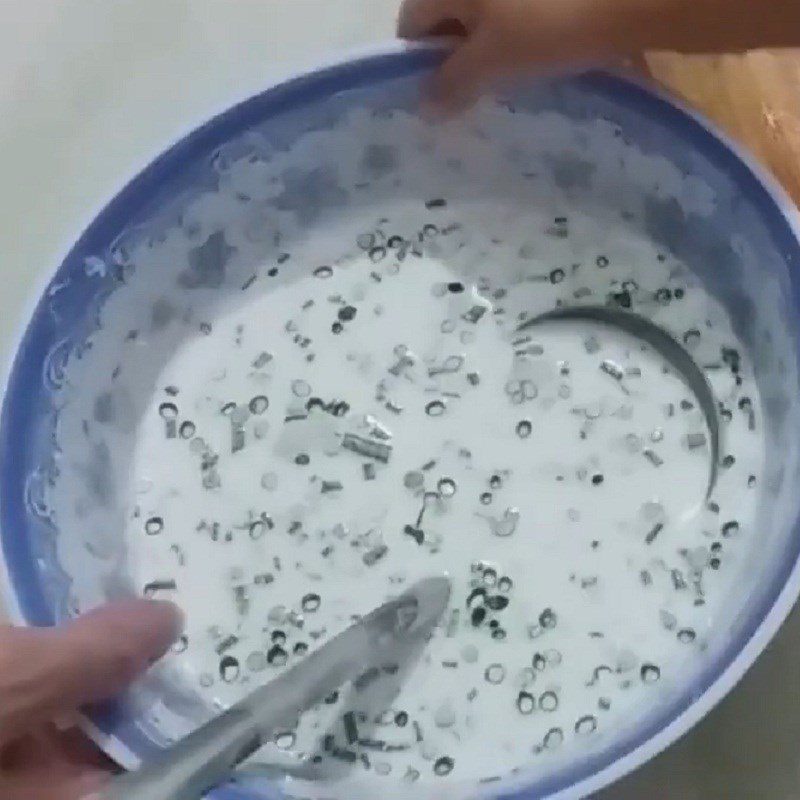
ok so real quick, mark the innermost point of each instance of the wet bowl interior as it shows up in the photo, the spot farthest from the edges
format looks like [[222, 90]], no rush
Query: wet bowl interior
[[681, 184]]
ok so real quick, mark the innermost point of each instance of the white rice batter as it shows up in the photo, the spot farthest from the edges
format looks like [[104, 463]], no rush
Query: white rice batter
[[377, 418]]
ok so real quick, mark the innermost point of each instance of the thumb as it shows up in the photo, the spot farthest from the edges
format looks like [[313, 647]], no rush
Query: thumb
[[458, 81], [48, 672]]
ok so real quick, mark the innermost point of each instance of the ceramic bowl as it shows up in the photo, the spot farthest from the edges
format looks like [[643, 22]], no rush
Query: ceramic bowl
[[695, 192]]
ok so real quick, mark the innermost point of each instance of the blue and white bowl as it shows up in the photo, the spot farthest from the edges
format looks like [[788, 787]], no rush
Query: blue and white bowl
[[725, 218]]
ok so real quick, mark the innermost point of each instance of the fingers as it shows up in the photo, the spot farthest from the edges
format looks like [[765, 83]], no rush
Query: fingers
[[45, 673], [73, 747], [421, 18], [51, 786], [51, 764], [458, 81]]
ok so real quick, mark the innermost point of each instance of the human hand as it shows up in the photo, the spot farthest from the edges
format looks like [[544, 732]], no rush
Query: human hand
[[46, 675], [499, 38], [495, 39]]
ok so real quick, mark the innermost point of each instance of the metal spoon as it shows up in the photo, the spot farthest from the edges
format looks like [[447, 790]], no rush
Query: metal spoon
[[207, 756], [666, 345]]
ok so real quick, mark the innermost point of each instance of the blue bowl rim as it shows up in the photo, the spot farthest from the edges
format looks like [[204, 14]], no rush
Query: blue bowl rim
[[26, 601]]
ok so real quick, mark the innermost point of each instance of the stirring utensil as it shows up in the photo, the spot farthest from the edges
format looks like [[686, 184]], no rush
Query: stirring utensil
[[208, 755], [664, 344]]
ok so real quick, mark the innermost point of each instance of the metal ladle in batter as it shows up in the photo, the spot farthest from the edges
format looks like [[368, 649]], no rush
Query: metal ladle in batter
[[204, 758], [666, 345]]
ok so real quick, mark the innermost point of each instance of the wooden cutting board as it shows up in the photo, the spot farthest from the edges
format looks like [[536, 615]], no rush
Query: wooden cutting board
[[754, 97]]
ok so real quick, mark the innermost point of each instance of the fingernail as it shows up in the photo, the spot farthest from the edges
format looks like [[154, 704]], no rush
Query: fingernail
[[180, 618], [159, 622], [174, 612], [90, 786], [65, 722]]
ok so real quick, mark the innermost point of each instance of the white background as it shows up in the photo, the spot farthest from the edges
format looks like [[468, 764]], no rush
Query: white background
[[91, 90]]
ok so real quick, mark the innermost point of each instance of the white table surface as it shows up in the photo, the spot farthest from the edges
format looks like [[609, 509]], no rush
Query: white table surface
[[91, 90]]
